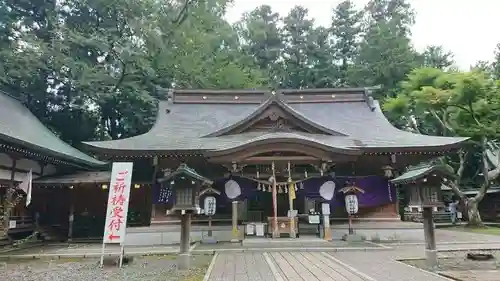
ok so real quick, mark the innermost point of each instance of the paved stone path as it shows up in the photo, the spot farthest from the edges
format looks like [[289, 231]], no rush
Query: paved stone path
[[241, 267], [314, 266], [319, 266], [383, 265]]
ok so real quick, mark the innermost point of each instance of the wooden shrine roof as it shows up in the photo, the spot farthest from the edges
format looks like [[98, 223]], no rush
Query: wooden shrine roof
[[202, 120], [19, 127], [83, 177], [76, 178], [420, 171]]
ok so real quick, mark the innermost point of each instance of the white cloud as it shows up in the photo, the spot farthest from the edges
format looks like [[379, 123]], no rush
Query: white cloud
[[467, 28]]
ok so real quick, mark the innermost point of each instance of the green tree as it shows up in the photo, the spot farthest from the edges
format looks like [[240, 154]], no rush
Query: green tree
[[297, 32], [495, 65], [437, 57], [386, 55], [321, 71], [435, 102], [346, 30], [262, 40], [207, 52]]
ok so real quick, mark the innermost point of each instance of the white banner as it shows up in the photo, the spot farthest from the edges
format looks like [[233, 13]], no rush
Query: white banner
[[118, 199]]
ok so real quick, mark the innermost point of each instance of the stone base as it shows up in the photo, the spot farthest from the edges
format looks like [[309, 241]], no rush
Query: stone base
[[353, 237], [209, 240], [183, 262]]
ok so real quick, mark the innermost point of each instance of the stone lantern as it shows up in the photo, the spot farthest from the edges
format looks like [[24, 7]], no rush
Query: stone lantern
[[424, 183], [185, 183]]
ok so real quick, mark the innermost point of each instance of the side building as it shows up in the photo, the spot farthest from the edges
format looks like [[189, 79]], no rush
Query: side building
[[26, 144]]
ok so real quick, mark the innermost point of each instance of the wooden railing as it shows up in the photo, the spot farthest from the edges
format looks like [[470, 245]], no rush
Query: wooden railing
[[441, 216]]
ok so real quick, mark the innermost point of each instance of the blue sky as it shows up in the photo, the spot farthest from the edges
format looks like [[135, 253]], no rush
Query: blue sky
[[467, 28]]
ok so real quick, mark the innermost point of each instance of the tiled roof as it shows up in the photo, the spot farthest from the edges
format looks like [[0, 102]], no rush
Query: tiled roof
[[189, 126], [19, 126], [76, 178], [420, 171]]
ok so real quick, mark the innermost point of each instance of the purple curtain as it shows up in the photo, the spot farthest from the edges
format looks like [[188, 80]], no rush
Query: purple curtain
[[378, 190]]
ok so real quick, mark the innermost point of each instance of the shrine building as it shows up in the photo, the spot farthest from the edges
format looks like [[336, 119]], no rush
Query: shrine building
[[27, 145], [251, 141]]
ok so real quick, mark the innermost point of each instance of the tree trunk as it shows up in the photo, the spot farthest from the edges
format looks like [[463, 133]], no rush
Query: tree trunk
[[473, 213]]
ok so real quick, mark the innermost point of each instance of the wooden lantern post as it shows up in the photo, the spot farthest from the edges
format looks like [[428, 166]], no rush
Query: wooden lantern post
[[186, 184], [351, 200], [209, 206], [426, 179]]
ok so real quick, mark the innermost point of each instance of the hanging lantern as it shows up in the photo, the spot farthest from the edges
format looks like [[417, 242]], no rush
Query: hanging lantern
[[388, 171], [351, 204]]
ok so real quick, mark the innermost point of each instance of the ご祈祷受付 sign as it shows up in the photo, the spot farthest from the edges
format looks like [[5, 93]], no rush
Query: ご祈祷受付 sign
[[118, 199]]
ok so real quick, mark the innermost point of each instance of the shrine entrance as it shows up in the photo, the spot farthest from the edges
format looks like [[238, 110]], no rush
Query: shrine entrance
[[278, 167], [261, 206]]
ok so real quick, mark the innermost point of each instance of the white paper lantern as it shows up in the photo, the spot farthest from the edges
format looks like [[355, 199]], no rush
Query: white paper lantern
[[351, 204], [209, 205]]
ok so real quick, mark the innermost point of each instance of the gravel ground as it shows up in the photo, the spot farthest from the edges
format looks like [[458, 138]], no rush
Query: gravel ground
[[151, 268], [459, 264]]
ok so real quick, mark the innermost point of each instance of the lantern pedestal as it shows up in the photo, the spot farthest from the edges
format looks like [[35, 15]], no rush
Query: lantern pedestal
[[353, 237], [209, 239], [430, 238], [184, 254]]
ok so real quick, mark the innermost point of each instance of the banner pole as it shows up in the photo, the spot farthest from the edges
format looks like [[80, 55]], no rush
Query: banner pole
[[102, 254], [121, 256]]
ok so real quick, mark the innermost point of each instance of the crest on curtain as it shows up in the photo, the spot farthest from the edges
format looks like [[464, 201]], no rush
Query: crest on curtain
[[232, 189]]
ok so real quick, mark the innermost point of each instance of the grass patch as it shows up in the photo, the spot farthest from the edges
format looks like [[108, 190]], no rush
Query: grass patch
[[483, 230]]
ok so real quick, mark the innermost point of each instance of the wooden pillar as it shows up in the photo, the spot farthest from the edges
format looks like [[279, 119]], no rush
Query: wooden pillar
[[71, 218], [430, 238], [9, 192], [290, 203], [235, 234], [184, 254], [153, 181], [275, 229]]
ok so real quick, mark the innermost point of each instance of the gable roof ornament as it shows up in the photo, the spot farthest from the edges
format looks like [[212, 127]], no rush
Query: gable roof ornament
[[369, 98], [274, 99]]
